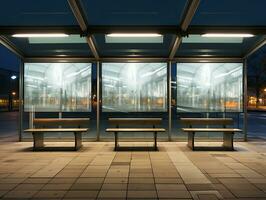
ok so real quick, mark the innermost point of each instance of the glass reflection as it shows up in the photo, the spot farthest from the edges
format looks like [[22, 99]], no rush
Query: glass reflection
[[209, 87], [134, 87], [56, 87]]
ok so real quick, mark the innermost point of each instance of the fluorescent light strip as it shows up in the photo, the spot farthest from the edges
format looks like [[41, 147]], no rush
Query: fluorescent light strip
[[134, 35], [237, 35], [41, 35]]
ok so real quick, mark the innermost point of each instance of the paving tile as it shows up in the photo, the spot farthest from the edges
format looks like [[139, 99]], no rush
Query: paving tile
[[90, 180], [142, 194], [86, 186], [81, 194], [106, 194], [141, 186], [57, 186], [63, 180], [171, 187], [114, 186], [16, 194], [7, 186], [164, 194], [116, 180], [49, 195], [200, 187], [29, 187]]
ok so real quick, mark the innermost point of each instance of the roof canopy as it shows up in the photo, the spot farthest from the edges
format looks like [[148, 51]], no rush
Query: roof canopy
[[178, 25]]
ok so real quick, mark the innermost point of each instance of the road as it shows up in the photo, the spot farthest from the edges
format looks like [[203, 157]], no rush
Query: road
[[9, 125]]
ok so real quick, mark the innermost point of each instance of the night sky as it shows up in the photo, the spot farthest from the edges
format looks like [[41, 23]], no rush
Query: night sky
[[8, 60]]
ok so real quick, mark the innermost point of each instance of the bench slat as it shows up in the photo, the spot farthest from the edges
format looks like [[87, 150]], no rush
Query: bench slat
[[135, 121], [211, 130], [207, 121], [61, 121], [135, 130], [56, 130]]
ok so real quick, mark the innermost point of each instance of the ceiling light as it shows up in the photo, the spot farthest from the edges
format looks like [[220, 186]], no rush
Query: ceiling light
[[42, 35], [134, 35], [237, 35]]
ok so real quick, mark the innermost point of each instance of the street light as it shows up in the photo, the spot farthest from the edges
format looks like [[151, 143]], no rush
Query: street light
[[13, 77]]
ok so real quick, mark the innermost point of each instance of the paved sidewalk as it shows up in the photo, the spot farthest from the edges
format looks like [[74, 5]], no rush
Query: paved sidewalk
[[97, 172]]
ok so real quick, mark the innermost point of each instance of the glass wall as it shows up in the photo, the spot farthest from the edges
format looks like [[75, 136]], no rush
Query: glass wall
[[59, 90], [57, 87], [134, 87], [209, 87], [133, 90], [206, 90]]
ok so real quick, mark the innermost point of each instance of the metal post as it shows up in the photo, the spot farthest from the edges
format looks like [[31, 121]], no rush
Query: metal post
[[245, 95], [98, 102], [169, 102], [21, 83]]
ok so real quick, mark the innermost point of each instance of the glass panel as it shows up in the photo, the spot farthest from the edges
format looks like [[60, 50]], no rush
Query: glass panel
[[57, 87], [209, 87], [134, 87]]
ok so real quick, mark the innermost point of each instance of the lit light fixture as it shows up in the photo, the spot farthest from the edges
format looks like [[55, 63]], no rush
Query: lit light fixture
[[134, 35], [13, 77], [13, 93], [236, 35], [40, 35]]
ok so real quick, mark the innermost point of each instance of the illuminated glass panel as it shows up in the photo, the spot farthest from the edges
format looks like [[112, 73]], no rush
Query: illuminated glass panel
[[134, 87], [209, 87], [56, 87]]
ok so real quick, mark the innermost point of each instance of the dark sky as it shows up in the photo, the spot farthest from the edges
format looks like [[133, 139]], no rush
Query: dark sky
[[8, 60]]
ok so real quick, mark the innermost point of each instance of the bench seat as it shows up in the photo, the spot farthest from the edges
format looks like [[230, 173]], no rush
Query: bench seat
[[118, 122], [228, 133], [37, 133]]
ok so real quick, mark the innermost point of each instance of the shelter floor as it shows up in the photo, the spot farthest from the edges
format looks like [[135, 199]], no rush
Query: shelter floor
[[97, 172]]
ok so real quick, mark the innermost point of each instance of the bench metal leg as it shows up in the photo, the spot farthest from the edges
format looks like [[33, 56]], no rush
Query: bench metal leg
[[190, 141], [228, 139], [78, 140], [155, 141], [116, 140], [37, 140]]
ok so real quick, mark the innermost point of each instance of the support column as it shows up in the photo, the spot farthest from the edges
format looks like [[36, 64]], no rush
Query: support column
[[98, 103], [169, 102], [245, 96], [21, 83]]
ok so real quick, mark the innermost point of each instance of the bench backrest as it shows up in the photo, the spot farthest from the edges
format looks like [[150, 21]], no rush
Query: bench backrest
[[135, 121], [207, 121], [52, 122]]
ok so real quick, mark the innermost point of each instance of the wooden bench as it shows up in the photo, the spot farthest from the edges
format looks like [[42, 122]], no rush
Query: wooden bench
[[118, 122], [54, 125], [228, 133]]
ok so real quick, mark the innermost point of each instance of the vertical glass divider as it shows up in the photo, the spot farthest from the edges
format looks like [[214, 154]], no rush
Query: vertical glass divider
[[169, 101], [21, 90], [245, 118], [98, 102]]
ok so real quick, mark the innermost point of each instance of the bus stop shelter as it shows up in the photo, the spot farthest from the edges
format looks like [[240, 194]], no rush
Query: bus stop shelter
[[181, 44]]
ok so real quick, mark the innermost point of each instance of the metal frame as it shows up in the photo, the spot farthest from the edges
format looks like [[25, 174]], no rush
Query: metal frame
[[21, 95], [58, 59], [245, 98], [77, 10], [98, 103], [8, 44], [256, 47], [190, 12], [169, 101]]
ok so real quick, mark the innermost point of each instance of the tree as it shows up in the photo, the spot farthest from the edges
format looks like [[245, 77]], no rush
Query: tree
[[257, 74]]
